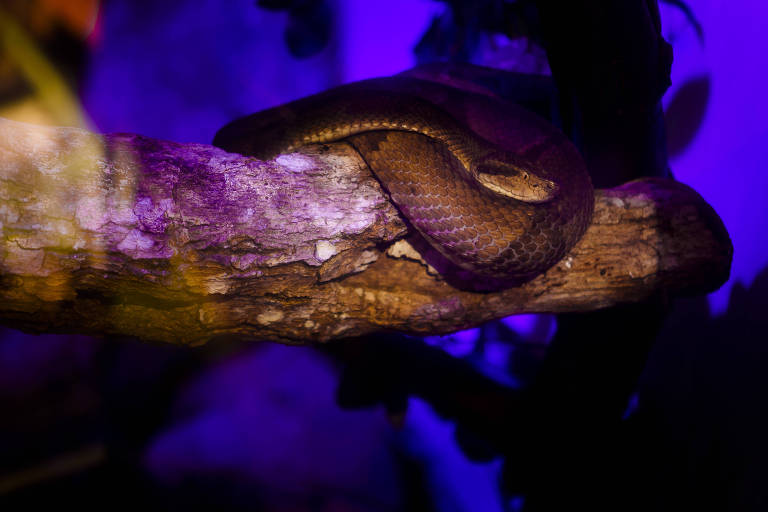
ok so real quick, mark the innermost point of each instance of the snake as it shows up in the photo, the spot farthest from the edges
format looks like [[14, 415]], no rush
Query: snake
[[497, 190]]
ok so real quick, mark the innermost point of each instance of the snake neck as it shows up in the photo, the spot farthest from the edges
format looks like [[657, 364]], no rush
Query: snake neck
[[499, 171]]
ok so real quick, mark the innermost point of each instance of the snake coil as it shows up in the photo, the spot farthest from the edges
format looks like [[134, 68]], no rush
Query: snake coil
[[497, 190]]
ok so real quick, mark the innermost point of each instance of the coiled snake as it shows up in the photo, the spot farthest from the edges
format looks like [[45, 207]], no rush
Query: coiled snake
[[494, 188]]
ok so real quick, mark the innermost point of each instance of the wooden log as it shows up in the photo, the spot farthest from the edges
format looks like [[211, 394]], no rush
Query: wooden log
[[127, 235]]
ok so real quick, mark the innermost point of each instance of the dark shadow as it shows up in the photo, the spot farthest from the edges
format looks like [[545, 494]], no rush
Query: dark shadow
[[699, 428], [692, 438], [685, 113]]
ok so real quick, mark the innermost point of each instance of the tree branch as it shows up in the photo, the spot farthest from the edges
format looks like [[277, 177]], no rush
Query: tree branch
[[122, 234]]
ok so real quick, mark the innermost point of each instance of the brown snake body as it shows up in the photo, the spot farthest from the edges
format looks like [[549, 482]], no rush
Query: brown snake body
[[494, 188]]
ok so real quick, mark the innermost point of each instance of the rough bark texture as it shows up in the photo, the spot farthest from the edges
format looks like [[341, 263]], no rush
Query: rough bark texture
[[121, 234]]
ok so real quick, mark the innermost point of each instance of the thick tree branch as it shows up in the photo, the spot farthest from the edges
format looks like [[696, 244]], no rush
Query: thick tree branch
[[121, 234]]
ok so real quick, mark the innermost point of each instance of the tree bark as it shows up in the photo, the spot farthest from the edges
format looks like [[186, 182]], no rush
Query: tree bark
[[122, 234]]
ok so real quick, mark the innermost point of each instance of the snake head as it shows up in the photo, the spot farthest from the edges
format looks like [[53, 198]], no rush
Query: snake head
[[506, 174]]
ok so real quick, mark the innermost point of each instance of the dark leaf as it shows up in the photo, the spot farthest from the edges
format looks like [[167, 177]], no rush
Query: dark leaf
[[689, 16], [309, 29], [685, 113]]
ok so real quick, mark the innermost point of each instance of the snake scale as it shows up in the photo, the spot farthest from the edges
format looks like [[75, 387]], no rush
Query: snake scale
[[497, 190]]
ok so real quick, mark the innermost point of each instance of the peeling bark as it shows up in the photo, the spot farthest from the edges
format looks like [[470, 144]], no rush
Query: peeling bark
[[122, 234]]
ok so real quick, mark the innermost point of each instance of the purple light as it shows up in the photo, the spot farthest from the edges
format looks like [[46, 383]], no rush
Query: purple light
[[458, 344], [193, 67], [377, 36], [497, 352], [532, 328], [727, 162], [521, 324], [268, 417], [455, 483]]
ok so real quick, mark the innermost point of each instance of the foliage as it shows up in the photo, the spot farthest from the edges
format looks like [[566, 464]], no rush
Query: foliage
[[453, 35]]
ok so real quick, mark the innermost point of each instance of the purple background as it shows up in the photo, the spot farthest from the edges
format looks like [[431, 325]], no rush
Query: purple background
[[265, 415]]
